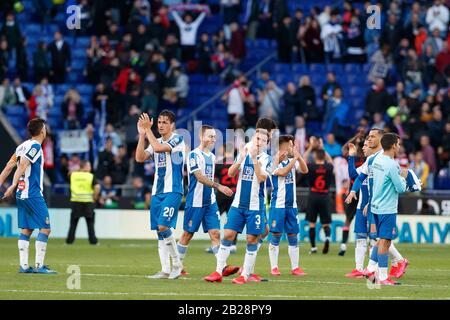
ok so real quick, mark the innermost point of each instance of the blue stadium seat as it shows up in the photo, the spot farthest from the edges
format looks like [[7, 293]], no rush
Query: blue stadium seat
[[197, 78], [18, 121], [352, 68], [443, 179], [14, 110], [300, 68], [335, 67], [317, 68], [85, 89], [282, 68]]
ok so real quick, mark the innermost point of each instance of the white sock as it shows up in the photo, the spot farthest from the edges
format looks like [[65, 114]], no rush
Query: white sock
[[372, 267], [273, 255], [164, 257], [222, 256], [24, 249], [382, 273], [41, 249], [249, 263], [395, 255], [171, 246], [360, 253], [294, 255]]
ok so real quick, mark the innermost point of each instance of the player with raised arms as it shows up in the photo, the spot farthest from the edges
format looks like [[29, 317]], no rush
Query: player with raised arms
[[248, 209], [283, 216], [168, 152]]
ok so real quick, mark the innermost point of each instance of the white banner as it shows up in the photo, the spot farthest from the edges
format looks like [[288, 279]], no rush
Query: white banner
[[135, 224], [73, 141]]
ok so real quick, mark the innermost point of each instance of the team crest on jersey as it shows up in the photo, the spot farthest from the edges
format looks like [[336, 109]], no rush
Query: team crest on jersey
[[21, 185], [247, 174]]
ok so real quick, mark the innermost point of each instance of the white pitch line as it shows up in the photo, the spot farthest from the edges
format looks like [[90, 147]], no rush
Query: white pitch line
[[162, 294], [270, 280]]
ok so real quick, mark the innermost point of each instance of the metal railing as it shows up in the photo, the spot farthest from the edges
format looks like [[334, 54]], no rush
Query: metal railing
[[189, 119]]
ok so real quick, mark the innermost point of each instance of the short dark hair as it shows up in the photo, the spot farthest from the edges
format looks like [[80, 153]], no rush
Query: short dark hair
[[205, 127], [266, 123], [388, 140], [169, 114], [35, 126], [84, 163], [379, 130], [320, 154], [284, 138]]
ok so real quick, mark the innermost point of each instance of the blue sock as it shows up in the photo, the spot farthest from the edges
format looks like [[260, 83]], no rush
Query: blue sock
[[275, 240], [293, 241], [227, 243], [383, 260], [24, 237], [166, 234], [374, 255], [181, 249], [261, 240], [41, 237], [252, 247], [160, 237]]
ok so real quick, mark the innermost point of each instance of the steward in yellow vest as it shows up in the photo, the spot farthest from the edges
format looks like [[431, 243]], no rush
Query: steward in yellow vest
[[84, 191]]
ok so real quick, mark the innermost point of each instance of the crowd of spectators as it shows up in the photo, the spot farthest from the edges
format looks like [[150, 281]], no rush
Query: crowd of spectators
[[142, 52]]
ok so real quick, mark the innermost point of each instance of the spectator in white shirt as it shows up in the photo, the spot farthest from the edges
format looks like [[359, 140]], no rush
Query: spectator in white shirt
[[235, 108], [437, 16], [330, 35], [188, 33]]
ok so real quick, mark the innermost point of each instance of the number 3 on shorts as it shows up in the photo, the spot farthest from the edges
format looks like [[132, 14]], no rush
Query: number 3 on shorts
[[168, 212]]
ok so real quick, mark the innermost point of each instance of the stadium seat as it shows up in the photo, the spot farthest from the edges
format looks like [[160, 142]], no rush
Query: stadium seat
[[300, 68], [443, 179], [352, 68], [317, 68], [282, 68], [335, 67], [14, 110]]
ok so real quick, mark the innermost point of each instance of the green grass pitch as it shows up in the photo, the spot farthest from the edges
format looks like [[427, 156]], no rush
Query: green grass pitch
[[116, 270]]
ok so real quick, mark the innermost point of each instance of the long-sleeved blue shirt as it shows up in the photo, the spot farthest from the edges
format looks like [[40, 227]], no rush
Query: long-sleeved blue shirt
[[386, 185]]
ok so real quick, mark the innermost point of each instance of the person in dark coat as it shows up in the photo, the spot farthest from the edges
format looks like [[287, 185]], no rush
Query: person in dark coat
[[61, 58]]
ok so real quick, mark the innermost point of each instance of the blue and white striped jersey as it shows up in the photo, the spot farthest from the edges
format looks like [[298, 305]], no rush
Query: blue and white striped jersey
[[249, 192], [169, 166], [284, 193], [198, 194], [31, 183]]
